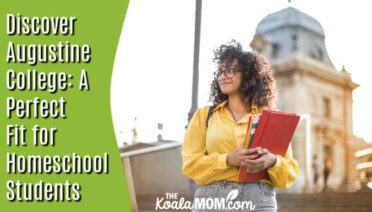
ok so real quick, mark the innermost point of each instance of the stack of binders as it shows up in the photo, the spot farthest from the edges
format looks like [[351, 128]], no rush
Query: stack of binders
[[272, 130]]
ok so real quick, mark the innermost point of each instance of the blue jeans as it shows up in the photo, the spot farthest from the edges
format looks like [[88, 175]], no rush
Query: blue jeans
[[232, 196]]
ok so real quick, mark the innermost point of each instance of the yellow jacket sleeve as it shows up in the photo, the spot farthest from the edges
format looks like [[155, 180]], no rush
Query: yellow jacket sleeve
[[285, 171], [201, 167]]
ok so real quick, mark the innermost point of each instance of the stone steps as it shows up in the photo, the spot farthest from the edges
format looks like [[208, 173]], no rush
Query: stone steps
[[335, 202]]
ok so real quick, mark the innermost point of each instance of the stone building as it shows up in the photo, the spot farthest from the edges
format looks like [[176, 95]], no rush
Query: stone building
[[363, 155], [308, 83]]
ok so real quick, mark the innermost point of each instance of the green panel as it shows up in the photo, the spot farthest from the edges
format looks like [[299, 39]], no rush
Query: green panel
[[88, 127]]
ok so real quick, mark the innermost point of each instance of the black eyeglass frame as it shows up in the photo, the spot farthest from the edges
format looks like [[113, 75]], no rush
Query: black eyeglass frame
[[232, 71]]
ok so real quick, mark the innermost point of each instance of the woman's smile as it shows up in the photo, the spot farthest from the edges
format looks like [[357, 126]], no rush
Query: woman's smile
[[225, 83]]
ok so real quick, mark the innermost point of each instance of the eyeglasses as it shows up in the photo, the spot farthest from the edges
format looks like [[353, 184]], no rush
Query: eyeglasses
[[228, 72]]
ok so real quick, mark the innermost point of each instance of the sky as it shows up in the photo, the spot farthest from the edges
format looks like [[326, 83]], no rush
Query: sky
[[152, 77]]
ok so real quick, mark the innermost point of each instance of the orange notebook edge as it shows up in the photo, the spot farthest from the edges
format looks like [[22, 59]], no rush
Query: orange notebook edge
[[246, 141]]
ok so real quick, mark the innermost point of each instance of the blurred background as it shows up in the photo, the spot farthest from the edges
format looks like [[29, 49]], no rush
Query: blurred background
[[319, 51]]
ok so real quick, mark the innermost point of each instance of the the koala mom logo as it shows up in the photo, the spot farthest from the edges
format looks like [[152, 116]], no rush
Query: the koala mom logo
[[172, 201]]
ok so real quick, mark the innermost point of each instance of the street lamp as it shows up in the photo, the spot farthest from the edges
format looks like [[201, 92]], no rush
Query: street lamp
[[195, 76]]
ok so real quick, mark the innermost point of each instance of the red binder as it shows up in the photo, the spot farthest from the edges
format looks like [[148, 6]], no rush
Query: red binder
[[274, 132]]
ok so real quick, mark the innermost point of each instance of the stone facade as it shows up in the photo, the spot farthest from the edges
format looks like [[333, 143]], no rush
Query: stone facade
[[309, 84]]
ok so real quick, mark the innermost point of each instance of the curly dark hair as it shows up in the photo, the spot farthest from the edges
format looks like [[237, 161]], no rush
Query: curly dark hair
[[258, 84]]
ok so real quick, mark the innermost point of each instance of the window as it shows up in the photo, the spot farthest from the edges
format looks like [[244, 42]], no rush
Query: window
[[294, 42], [320, 54], [275, 51], [326, 110], [313, 55], [327, 150]]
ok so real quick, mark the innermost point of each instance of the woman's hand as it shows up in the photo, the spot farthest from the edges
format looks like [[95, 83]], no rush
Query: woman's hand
[[240, 154], [264, 161]]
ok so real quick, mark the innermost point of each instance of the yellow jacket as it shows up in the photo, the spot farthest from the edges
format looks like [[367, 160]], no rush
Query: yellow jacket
[[204, 151]]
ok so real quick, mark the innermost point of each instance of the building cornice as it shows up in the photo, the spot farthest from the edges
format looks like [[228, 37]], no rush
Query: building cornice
[[298, 62]]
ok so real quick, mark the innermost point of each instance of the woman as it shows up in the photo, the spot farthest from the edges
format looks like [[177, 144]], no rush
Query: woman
[[213, 152]]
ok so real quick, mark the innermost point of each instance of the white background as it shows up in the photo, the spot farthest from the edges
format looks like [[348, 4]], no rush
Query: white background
[[152, 75]]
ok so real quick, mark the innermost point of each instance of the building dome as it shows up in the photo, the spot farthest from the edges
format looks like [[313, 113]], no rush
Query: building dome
[[289, 17], [291, 30]]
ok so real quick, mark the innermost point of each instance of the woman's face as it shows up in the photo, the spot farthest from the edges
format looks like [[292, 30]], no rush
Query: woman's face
[[229, 84]]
